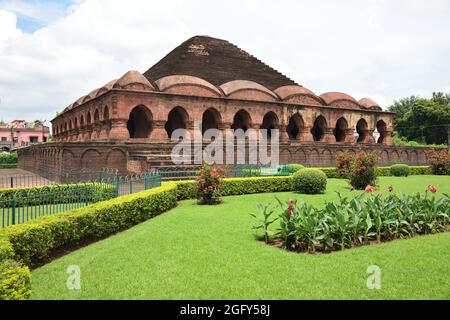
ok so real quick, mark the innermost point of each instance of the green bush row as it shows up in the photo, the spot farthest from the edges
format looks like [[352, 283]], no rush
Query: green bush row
[[56, 194], [8, 165], [239, 186], [332, 173], [15, 281], [8, 158]]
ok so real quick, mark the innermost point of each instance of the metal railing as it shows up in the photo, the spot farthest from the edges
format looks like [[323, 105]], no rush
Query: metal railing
[[21, 205]]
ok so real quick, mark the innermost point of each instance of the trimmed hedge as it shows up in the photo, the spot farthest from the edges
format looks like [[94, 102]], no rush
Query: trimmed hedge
[[309, 181], [8, 166], [15, 281], [332, 173], [34, 241], [55, 194], [8, 158], [294, 167], [400, 170], [238, 186]]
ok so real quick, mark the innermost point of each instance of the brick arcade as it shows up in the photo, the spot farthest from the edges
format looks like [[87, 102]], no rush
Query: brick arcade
[[127, 123]]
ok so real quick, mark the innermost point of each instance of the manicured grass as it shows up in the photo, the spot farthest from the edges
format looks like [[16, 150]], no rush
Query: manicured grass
[[201, 252]]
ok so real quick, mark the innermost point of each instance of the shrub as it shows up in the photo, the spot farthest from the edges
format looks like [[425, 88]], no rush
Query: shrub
[[400, 170], [34, 241], [344, 164], [15, 281], [354, 222], [56, 194], [332, 173], [8, 158], [363, 171], [439, 161], [309, 181], [209, 181], [8, 165], [294, 167]]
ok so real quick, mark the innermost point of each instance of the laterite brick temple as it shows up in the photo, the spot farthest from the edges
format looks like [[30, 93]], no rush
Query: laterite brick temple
[[126, 124]]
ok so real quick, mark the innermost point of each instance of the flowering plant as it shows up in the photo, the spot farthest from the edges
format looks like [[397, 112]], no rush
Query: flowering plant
[[209, 181], [439, 161], [344, 160], [362, 169]]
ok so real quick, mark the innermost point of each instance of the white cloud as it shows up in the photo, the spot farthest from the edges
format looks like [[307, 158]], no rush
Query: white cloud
[[384, 49]]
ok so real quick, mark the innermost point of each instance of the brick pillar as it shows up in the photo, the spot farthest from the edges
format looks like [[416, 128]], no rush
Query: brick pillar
[[329, 136], [305, 134], [119, 130], [350, 136], [284, 137], [388, 138], [159, 131], [369, 136], [104, 131]]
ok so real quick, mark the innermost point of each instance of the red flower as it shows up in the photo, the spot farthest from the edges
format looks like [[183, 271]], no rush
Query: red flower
[[432, 188], [390, 189], [370, 189]]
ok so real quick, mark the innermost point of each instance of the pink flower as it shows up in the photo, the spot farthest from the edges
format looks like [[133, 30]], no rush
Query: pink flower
[[432, 188], [370, 189]]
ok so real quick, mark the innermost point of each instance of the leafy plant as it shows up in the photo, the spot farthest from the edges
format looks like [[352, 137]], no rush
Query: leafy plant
[[265, 220], [209, 181], [309, 181], [400, 170]]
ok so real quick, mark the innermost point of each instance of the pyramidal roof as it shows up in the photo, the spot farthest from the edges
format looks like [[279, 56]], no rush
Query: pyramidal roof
[[216, 61]]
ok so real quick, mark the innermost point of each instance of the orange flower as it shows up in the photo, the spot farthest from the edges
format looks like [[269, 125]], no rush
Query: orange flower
[[432, 188]]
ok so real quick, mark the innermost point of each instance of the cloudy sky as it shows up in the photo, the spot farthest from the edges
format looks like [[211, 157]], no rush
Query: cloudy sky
[[53, 52]]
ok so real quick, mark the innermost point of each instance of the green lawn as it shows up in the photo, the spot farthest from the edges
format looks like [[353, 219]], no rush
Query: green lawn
[[200, 252]]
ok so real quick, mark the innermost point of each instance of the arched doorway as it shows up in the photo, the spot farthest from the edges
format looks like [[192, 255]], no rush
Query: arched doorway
[[106, 114], [211, 120], [296, 123], [340, 130], [242, 120], [362, 128], [318, 130], [140, 123], [270, 123], [382, 128], [177, 119], [82, 120], [88, 118], [96, 116]]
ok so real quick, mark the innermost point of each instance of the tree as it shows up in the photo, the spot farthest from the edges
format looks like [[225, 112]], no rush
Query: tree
[[423, 120]]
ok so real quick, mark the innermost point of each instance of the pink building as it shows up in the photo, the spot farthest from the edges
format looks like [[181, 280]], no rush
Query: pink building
[[19, 133]]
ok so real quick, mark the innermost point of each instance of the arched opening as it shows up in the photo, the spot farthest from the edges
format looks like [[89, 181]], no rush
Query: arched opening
[[270, 123], [140, 123], [318, 130], [211, 120], [76, 122], [82, 120], [96, 116], [242, 120], [70, 124], [382, 128], [296, 123], [106, 114], [340, 130], [361, 129], [177, 119]]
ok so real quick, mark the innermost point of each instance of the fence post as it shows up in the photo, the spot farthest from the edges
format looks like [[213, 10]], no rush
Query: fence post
[[13, 209], [116, 180], [12, 182]]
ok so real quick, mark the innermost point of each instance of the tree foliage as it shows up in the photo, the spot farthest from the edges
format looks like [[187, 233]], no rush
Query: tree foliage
[[423, 120]]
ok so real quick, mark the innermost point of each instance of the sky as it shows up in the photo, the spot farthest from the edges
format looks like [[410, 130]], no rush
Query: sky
[[53, 52]]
